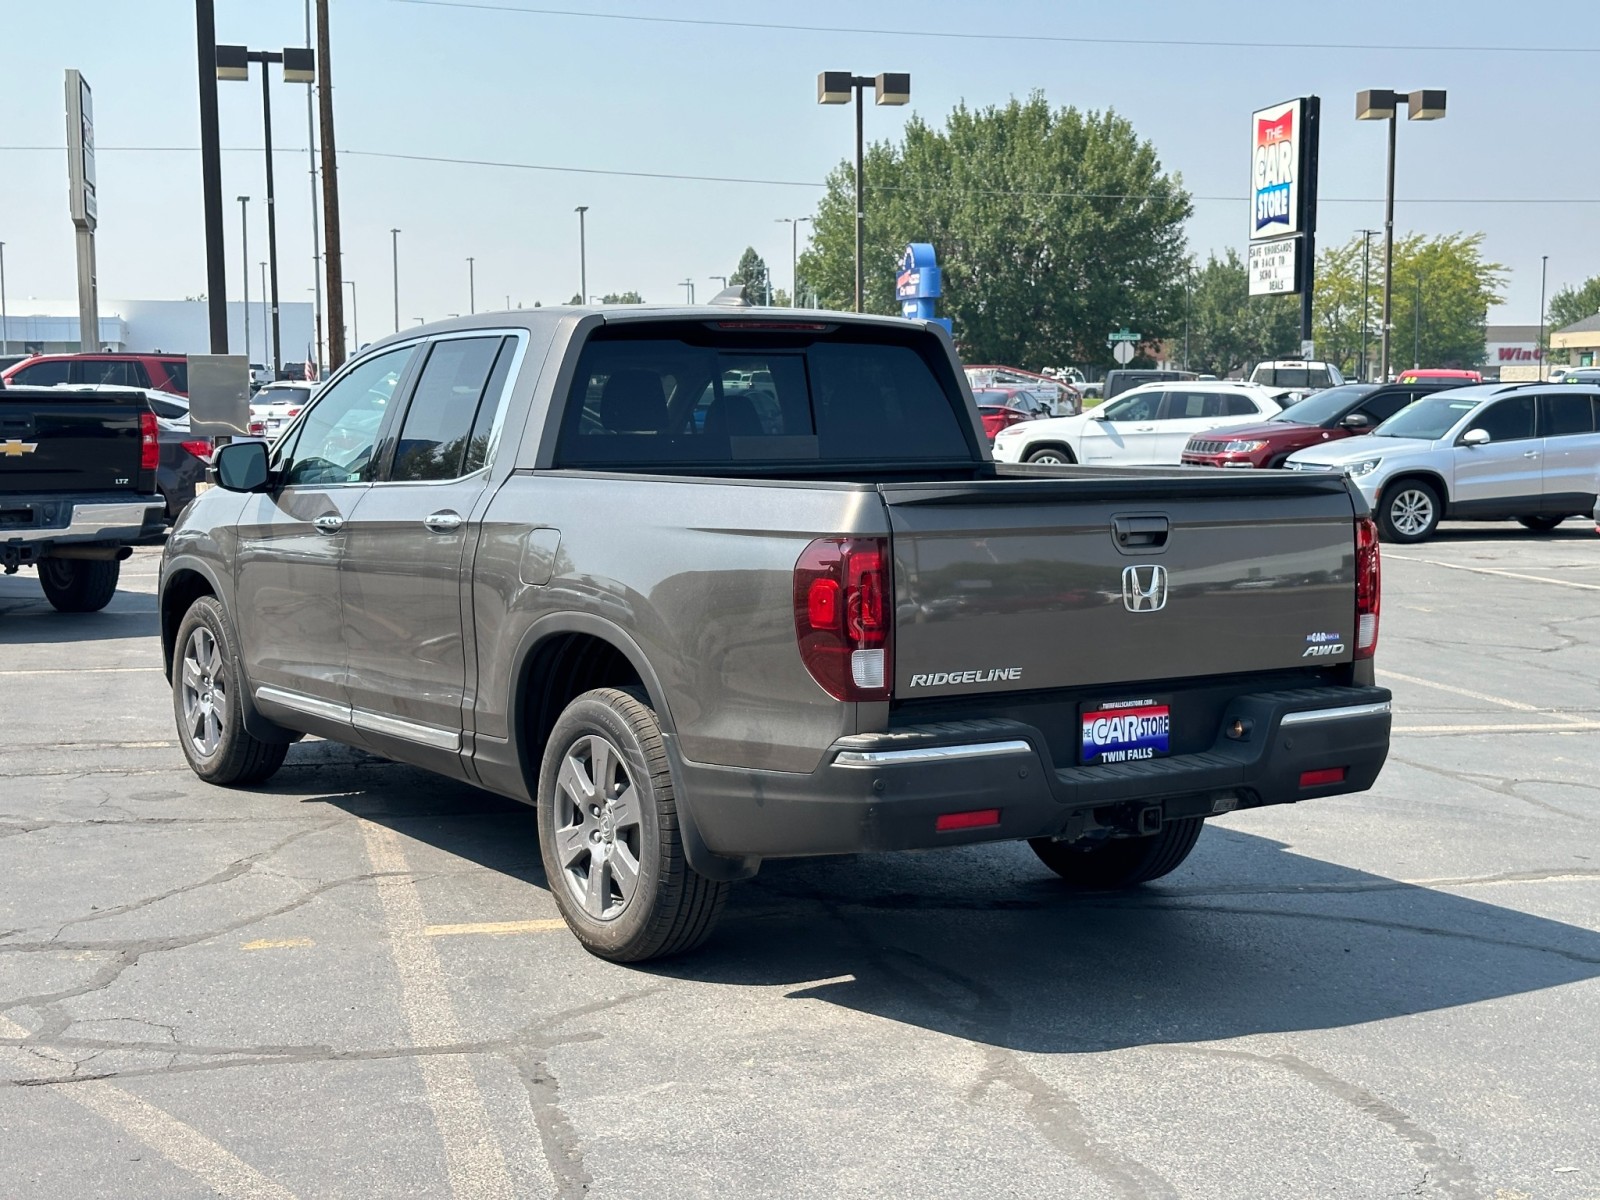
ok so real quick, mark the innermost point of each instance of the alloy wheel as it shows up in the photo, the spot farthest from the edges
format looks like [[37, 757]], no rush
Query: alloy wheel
[[597, 827], [205, 692], [1411, 512]]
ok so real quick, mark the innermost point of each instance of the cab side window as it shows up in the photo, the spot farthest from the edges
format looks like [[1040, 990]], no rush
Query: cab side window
[[45, 374], [441, 432], [1565, 414], [1509, 420], [336, 437]]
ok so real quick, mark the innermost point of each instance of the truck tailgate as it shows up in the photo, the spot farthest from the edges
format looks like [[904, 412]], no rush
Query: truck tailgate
[[1022, 583], [71, 441]]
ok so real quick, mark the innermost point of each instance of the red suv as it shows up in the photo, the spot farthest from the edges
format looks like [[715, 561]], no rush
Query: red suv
[[1325, 416], [165, 372]]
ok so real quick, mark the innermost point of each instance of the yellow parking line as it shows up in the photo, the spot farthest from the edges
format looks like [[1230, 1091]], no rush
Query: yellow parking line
[[1486, 697], [1566, 583], [276, 943], [222, 1171], [544, 925]]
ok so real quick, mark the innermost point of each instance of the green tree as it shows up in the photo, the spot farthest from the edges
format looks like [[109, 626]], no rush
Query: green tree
[[1229, 329], [1053, 227], [1573, 304], [622, 298], [753, 273]]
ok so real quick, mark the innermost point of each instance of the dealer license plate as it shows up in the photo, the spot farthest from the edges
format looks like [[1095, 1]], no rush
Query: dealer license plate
[[1126, 731]]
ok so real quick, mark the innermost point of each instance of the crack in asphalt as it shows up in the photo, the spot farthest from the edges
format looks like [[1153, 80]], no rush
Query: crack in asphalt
[[1448, 1172]]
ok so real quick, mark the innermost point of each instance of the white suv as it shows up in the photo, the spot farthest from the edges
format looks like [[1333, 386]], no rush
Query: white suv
[[1490, 452], [1150, 424]]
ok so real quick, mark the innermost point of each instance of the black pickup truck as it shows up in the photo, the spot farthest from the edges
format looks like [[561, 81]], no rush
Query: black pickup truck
[[77, 488]]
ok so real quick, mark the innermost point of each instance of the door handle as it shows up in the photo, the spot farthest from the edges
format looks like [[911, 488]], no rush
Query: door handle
[[443, 521], [329, 523], [1530, 454]]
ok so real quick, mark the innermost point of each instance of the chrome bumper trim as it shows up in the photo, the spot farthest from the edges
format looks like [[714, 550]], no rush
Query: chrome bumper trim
[[891, 758], [93, 522], [1310, 716]]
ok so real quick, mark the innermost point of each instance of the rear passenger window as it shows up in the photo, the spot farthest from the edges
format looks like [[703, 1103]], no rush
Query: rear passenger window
[[177, 370], [45, 374], [1510, 420], [1381, 408], [96, 373], [1237, 406], [1564, 414], [441, 423]]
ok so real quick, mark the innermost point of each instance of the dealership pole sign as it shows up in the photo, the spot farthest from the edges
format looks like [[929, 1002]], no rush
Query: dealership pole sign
[[1283, 201], [83, 204], [919, 283]]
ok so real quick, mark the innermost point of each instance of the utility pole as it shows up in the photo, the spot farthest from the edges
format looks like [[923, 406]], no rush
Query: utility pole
[[205, 36], [394, 239], [583, 257], [244, 257], [1538, 350], [472, 288], [332, 260]]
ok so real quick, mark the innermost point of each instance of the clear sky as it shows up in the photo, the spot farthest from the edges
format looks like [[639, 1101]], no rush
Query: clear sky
[[581, 91]]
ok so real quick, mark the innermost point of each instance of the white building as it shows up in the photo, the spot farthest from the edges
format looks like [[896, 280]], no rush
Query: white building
[[171, 326]]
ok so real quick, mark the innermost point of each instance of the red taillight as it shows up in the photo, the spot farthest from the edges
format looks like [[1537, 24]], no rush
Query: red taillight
[[149, 442], [294, 412], [1369, 587], [978, 818], [1322, 778], [200, 448], [843, 616]]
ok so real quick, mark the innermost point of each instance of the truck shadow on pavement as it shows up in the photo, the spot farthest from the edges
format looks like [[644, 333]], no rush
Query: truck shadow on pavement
[[984, 944]]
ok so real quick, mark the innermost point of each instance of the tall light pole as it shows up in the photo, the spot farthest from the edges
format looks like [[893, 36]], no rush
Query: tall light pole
[[355, 329], [837, 87], [689, 284], [394, 240], [1379, 104], [272, 340], [299, 66], [472, 287], [205, 37], [794, 256], [583, 255], [5, 323], [333, 259], [1538, 349], [244, 239], [1366, 246], [1416, 325], [722, 279]]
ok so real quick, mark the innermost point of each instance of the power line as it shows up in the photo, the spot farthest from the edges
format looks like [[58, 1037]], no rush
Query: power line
[[815, 185], [969, 36]]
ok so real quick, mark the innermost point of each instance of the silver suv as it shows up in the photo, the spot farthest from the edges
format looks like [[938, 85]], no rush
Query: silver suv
[[1491, 452]]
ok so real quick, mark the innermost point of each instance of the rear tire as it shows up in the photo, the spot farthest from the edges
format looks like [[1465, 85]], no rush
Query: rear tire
[[79, 585], [1540, 524], [1055, 456], [1409, 512], [207, 701], [1120, 862], [610, 837]]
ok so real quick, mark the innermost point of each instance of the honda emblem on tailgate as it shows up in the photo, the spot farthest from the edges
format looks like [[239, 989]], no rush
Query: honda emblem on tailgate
[[1144, 588]]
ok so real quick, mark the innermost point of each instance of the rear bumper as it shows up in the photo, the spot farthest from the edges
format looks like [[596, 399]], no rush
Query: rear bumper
[[886, 791], [33, 524]]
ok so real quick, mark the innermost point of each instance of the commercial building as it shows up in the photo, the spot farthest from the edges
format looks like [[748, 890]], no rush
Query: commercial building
[[171, 326], [1580, 341]]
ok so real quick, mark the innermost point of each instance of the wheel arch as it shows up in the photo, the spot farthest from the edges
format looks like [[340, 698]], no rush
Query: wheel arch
[[1425, 475], [1065, 447]]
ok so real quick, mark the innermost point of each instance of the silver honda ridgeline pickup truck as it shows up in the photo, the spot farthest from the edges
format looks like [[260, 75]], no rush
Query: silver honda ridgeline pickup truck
[[713, 585]]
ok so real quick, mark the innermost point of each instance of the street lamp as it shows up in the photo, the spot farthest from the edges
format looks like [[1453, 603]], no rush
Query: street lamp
[[722, 279], [244, 238], [299, 66], [1378, 104], [1538, 349], [5, 323], [472, 287], [836, 87], [271, 346], [355, 327], [689, 283], [394, 254], [1366, 313], [583, 254], [794, 256]]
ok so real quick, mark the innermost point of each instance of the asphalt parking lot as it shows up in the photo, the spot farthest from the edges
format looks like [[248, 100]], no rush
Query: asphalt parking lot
[[352, 981]]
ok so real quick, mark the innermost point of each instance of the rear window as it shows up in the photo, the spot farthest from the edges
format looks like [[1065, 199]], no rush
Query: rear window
[[710, 396], [1292, 377], [177, 370]]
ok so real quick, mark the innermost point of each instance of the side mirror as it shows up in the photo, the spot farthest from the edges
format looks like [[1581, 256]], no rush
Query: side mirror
[[1098, 413], [241, 466], [1475, 437], [1356, 421]]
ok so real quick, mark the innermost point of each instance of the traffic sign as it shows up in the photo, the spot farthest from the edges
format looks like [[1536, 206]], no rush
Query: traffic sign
[[1123, 352], [1123, 335]]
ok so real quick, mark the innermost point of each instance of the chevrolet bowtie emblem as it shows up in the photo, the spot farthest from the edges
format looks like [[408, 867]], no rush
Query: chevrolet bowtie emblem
[[16, 447]]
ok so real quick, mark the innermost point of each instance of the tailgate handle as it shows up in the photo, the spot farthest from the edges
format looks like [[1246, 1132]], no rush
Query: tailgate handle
[[1139, 533], [21, 426]]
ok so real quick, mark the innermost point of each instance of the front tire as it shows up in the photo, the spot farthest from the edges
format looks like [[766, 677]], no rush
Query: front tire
[[1120, 862], [609, 834], [207, 695], [1409, 512], [79, 585], [1053, 456]]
